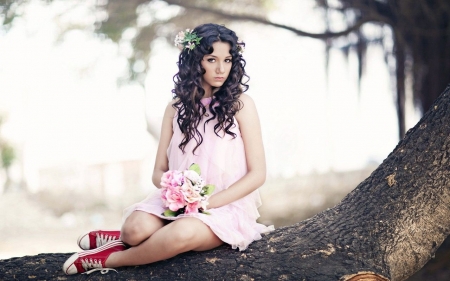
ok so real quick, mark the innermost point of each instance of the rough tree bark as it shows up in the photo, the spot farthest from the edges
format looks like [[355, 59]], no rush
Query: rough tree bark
[[387, 228]]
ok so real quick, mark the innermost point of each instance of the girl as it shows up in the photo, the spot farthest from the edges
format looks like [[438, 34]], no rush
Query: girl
[[210, 122]]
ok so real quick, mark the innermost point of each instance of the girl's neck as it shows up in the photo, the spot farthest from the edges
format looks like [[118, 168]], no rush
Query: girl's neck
[[209, 92], [208, 89]]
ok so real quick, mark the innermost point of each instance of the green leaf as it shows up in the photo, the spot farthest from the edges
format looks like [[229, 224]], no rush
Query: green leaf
[[196, 168], [206, 213], [169, 213], [208, 189]]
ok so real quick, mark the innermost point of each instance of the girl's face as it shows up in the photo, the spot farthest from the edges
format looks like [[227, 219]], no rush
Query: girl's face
[[217, 66]]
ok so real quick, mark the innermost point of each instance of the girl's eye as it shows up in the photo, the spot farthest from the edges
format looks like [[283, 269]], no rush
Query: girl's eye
[[211, 60], [228, 60]]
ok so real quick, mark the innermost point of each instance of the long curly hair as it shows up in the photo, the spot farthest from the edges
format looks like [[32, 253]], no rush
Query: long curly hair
[[188, 89]]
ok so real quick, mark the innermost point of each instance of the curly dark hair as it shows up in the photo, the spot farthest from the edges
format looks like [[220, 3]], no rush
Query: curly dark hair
[[188, 89]]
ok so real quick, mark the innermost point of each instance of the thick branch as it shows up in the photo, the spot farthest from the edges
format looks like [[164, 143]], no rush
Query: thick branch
[[325, 35]]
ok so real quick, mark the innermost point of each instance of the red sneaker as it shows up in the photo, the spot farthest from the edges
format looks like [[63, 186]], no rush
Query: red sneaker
[[92, 260], [97, 238]]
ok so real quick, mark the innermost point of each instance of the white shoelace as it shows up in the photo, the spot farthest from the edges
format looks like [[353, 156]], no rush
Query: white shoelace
[[102, 270], [102, 239], [94, 265]]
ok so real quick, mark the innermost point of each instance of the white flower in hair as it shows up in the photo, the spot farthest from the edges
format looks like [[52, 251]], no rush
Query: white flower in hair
[[179, 40], [187, 40]]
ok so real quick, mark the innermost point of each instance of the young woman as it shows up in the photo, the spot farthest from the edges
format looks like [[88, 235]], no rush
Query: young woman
[[212, 123]]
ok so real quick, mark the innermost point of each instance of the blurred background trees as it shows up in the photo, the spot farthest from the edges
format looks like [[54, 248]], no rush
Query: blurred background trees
[[418, 34], [416, 41], [419, 57], [135, 24], [8, 155], [414, 34]]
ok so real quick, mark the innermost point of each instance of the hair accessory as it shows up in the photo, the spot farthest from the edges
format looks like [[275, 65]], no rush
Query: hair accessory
[[240, 46], [187, 40]]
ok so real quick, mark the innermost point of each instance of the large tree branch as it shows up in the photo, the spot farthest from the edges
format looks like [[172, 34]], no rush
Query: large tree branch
[[325, 35]]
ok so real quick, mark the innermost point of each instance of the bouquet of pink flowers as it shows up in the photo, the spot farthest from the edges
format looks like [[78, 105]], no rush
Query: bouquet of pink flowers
[[185, 192]]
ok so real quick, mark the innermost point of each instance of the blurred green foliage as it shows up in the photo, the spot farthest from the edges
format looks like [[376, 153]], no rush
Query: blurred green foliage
[[7, 152], [147, 20], [8, 155], [153, 19]]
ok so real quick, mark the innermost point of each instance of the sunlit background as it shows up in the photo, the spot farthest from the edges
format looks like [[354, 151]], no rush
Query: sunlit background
[[83, 149]]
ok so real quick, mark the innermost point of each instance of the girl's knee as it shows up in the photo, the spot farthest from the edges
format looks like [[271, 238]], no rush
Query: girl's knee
[[138, 228], [184, 232], [131, 234]]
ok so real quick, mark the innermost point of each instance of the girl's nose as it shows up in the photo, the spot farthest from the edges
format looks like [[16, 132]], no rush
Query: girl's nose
[[220, 68]]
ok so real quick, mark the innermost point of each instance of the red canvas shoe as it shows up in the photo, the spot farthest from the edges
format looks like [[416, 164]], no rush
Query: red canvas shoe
[[97, 238], [92, 260]]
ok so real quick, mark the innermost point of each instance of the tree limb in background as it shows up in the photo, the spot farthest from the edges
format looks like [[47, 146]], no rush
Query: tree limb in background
[[242, 17]]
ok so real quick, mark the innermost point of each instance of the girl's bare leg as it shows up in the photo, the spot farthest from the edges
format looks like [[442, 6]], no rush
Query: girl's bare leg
[[180, 236], [139, 226]]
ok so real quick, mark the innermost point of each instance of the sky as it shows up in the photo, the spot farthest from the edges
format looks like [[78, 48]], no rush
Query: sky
[[63, 105]]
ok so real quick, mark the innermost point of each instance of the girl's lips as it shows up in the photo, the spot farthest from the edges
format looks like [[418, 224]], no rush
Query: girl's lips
[[218, 78]]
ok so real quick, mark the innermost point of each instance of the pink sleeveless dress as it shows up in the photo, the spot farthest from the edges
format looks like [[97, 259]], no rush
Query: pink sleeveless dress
[[222, 162]]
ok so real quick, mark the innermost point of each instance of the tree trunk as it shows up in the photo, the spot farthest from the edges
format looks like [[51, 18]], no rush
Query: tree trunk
[[387, 228], [438, 268]]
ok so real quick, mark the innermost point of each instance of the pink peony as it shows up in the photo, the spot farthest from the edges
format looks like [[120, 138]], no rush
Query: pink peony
[[166, 179], [174, 198], [163, 195], [172, 179], [192, 207]]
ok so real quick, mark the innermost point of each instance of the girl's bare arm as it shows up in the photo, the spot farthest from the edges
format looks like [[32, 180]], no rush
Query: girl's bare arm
[[161, 161], [250, 127]]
